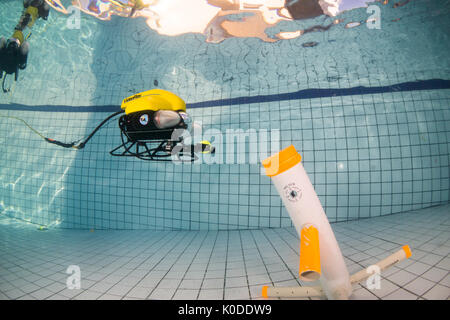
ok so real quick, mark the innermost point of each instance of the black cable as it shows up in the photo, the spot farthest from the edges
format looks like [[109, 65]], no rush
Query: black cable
[[82, 144], [67, 145]]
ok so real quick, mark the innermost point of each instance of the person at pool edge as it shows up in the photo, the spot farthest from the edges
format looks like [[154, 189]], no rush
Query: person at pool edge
[[14, 51]]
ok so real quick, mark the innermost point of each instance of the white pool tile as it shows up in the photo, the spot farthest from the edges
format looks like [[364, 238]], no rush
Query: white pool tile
[[70, 293], [53, 297], [446, 281], [41, 294], [258, 279], [215, 274], [281, 276], [4, 297], [419, 286], [29, 297], [16, 293], [418, 268], [162, 294], [119, 290], [435, 274], [430, 258], [28, 288], [235, 282], [211, 294], [194, 275], [88, 295], [111, 261], [101, 286], [401, 294], [140, 292], [241, 293], [444, 264], [235, 272], [213, 284], [110, 297], [442, 250], [438, 292], [191, 284], [186, 294], [363, 294], [276, 267]]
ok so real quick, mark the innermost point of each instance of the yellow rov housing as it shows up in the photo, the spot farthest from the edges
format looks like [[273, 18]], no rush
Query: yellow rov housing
[[153, 100]]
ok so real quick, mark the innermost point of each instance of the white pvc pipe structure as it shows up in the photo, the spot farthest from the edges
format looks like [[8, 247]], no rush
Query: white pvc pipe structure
[[305, 292], [305, 210]]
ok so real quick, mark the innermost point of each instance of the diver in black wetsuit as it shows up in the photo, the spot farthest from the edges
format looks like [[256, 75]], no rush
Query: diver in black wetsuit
[[14, 51], [13, 56]]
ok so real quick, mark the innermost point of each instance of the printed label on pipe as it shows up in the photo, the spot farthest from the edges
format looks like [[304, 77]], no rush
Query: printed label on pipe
[[292, 192]]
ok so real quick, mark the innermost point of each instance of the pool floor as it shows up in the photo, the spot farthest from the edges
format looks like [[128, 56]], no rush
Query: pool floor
[[218, 264]]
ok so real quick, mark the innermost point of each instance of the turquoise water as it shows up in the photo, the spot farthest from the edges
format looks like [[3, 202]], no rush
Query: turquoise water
[[367, 154]]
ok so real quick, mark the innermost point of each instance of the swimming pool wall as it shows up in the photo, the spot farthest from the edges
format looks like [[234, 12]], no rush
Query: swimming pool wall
[[369, 151]]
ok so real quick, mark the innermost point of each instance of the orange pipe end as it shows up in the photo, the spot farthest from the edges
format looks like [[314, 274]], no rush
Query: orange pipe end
[[264, 291], [309, 254], [282, 161], [407, 250]]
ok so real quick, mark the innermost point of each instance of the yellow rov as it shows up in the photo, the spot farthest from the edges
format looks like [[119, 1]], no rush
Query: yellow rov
[[152, 128]]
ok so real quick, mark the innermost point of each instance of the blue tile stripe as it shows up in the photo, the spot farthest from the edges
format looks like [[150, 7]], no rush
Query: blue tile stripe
[[432, 84]]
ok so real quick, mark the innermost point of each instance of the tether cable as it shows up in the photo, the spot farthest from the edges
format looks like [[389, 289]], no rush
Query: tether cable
[[76, 144]]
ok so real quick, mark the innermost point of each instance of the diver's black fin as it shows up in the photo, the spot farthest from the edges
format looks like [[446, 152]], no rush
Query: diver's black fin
[[3, 85]]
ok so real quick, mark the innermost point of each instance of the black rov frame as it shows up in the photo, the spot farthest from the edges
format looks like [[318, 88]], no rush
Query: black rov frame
[[154, 145]]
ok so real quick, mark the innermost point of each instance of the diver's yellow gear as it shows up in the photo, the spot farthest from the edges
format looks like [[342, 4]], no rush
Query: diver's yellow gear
[[28, 18], [18, 35], [139, 5], [34, 13], [155, 99]]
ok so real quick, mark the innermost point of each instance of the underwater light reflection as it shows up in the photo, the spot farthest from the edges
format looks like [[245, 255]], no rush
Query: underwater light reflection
[[216, 19]]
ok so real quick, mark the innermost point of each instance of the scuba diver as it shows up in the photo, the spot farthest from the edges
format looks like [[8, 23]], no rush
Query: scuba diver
[[14, 51], [13, 56]]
